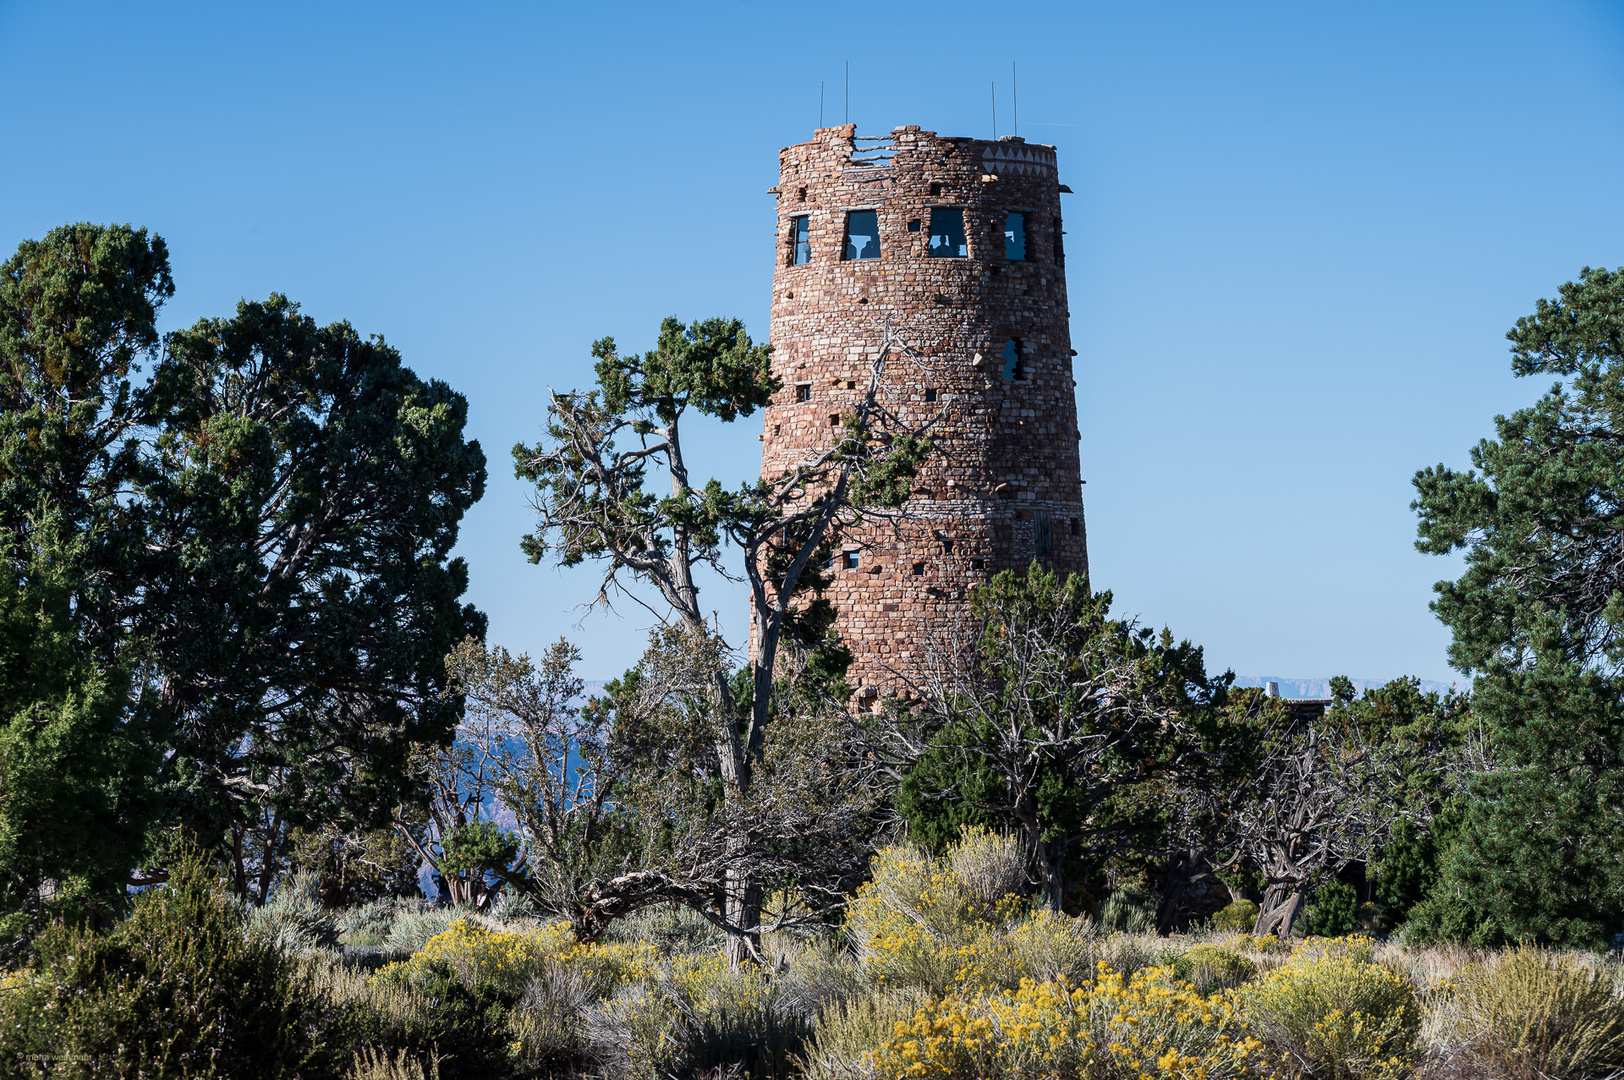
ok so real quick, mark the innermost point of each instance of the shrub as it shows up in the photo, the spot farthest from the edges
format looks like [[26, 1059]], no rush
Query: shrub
[[177, 989], [1533, 1013], [988, 865], [1128, 913], [1335, 911], [1147, 1025], [1240, 916], [849, 1030], [294, 920], [373, 1064], [1211, 967], [369, 923], [1334, 1011], [670, 928], [413, 927]]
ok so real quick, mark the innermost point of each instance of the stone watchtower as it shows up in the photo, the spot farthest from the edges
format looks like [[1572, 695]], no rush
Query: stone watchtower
[[959, 242]]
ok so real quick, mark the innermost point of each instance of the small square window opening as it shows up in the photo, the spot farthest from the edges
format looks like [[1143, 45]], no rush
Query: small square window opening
[[849, 560], [947, 545], [800, 241], [862, 235], [930, 395], [851, 384], [935, 190], [1015, 236], [947, 234], [803, 391], [913, 226], [918, 569], [978, 564], [1014, 369]]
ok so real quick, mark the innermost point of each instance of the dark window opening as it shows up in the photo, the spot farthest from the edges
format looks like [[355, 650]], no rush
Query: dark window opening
[[1059, 244], [850, 559], [947, 234], [800, 241], [776, 429], [978, 564], [1076, 527], [918, 569], [834, 419], [935, 190], [913, 226], [930, 395], [1043, 533], [803, 391], [947, 545], [1014, 368], [862, 234], [1015, 236], [803, 194], [851, 384]]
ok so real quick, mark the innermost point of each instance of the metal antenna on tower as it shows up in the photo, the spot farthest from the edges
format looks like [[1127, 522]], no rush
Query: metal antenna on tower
[[1015, 92]]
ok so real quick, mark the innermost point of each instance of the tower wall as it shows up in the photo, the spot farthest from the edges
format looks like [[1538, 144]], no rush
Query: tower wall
[[1001, 485]]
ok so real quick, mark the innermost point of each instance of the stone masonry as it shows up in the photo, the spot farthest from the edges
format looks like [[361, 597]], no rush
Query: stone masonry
[[1002, 484]]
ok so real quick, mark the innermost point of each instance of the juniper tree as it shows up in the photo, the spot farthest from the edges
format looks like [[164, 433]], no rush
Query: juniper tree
[[595, 475]]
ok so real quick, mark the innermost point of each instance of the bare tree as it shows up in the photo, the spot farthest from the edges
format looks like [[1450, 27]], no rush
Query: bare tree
[[1320, 798], [594, 502]]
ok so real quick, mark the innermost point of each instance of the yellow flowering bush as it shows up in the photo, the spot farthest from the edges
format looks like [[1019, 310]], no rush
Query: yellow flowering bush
[[508, 960], [919, 923], [1333, 1009], [1147, 1026]]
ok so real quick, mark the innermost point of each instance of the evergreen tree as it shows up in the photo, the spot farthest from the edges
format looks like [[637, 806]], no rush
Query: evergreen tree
[[1539, 616]]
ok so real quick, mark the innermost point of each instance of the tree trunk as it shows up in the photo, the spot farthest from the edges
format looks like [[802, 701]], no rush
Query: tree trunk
[[1281, 904], [1184, 868], [743, 912]]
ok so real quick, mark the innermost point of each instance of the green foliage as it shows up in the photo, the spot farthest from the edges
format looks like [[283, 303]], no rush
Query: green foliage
[[1238, 915], [1335, 911], [177, 989], [294, 920], [1127, 912], [1538, 612], [1051, 725], [76, 761], [1211, 967]]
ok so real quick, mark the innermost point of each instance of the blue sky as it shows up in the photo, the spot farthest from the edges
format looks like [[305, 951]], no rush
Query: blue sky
[[1298, 235]]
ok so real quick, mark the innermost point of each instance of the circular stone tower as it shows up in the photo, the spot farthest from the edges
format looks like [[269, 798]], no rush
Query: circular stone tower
[[957, 242]]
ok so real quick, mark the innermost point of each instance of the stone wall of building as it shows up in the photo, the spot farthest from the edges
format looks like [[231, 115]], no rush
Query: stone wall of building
[[1002, 485]]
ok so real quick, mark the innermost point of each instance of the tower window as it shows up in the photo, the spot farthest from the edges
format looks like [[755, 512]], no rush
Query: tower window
[[978, 564], [800, 235], [1059, 244], [947, 545], [1076, 527], [803, 391], [918, 569], [930, 395], [913, 226], [935, 190], [947, 234], [1015, 236], [862, 234], [1014, 368], [849, 559], [1042, 533]]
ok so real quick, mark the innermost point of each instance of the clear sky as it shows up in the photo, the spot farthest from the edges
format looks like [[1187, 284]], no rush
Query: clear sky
[[1298, 235]]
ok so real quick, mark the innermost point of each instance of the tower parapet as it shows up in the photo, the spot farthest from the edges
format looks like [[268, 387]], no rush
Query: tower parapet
[[960, 241]]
